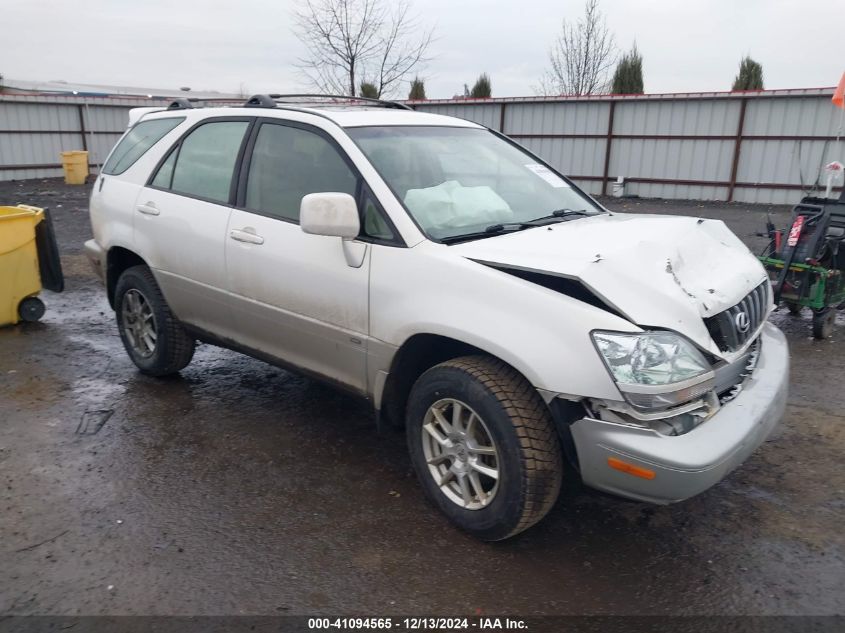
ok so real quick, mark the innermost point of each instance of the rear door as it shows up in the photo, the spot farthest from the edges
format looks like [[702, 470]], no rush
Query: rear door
[[112, 205], [296, 296], [182, 217]]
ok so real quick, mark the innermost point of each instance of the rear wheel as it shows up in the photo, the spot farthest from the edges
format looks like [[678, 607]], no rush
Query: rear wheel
[[154, 339], [823, 322], [484, 446]]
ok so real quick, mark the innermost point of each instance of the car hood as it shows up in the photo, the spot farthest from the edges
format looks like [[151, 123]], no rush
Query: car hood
[[656, 271]]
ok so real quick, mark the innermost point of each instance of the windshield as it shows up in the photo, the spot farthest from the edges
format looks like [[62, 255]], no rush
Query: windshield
[[461, 181]]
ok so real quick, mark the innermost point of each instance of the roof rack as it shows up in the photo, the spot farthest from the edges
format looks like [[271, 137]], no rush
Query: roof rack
[[260, 101], [272, 100], [181, 104]]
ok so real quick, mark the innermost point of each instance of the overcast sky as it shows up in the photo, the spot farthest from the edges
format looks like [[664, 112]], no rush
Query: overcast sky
[[224, 45]]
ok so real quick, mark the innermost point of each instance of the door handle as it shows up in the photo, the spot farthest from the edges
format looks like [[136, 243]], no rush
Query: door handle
[[148, 209], [246, 235]]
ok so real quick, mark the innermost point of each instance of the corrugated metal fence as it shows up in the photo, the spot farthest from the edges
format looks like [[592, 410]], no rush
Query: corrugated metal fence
[[34, 130], [763, 146], [753, 147]]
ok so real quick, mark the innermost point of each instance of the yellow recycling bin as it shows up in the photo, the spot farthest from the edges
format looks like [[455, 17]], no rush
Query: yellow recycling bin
[[75, 165], [29, 259]]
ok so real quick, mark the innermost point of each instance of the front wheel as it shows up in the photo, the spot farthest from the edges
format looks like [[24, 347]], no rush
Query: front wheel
[[154, 339], [823, 322], [484, 446]]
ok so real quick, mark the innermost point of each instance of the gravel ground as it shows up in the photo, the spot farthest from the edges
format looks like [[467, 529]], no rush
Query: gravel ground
[[239, 488]]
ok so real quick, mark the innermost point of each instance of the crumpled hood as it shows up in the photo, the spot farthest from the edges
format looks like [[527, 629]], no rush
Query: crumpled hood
[[657, 271]]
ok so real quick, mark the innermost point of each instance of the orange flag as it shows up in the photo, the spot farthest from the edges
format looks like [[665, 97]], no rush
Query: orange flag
[[839, 94]]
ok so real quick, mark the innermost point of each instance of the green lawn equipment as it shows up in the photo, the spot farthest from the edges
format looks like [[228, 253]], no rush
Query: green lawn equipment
[[806, 264]]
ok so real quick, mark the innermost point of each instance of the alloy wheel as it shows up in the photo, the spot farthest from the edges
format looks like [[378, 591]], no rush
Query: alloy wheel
[[461, 455], [139, 323]]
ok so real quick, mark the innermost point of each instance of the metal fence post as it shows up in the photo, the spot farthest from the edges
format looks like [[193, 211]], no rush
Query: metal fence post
[[82, 130], [737, 145], [607, 145]]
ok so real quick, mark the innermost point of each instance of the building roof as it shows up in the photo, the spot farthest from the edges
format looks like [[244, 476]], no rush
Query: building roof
[[20, 86]]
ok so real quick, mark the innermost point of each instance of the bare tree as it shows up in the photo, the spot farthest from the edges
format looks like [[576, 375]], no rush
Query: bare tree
[[582, 56], [353, 41]]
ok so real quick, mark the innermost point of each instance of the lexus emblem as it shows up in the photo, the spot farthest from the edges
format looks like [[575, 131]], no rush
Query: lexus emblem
[[742, 322]]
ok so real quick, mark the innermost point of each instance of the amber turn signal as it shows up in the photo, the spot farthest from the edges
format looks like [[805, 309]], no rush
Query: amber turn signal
[[631, 469]]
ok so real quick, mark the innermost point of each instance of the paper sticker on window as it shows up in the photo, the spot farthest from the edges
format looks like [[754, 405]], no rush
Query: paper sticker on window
[[547, 174]]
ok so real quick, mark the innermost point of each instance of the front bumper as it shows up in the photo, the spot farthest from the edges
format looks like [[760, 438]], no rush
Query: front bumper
[[97, 258], [688, 464]]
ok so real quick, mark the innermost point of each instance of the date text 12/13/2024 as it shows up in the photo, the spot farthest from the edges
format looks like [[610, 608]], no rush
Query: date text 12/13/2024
[[417, 624]]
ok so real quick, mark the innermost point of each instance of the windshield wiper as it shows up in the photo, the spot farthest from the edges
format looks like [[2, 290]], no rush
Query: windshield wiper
[[559, 215], [493, 229]]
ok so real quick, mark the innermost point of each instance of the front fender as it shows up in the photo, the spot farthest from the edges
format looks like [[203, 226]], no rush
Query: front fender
[[541, 333]]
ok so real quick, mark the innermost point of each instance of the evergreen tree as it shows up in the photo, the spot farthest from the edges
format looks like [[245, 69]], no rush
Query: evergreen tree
[[482, 88], [369, 90], [750, 75], [628, 78], [417, 92]]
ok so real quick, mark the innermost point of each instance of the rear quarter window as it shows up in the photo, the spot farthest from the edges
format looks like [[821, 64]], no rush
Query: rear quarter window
[[137, 141]]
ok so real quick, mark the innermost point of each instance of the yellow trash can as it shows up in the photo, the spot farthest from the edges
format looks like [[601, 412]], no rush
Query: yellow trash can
[[20, 259], [75, 165]]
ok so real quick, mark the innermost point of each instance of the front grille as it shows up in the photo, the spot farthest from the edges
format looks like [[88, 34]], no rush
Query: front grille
[[727, 328], [730, 376]]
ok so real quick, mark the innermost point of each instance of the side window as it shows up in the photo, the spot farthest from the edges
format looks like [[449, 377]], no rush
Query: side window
[[204, 162], [375, 225], [164, 177], [137, 141], [287, 163]]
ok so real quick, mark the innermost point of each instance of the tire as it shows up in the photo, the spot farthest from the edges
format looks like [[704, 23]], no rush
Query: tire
[[31, 309], [166, 351], [823, 322], [794, 308], [516, 421]]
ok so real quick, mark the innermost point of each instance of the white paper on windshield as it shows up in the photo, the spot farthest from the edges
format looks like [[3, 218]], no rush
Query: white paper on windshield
[[548, 175]]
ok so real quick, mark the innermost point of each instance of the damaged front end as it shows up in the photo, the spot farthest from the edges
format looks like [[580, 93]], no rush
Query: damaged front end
[[697, 402], [675, 387], [657, 272], [701, 375], [673, 454]]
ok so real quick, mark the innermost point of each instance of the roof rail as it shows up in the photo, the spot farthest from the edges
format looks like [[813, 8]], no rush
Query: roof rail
[[271, 100], [180, 104]]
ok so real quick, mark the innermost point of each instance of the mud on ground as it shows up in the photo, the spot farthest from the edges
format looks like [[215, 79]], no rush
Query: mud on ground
[[239, 488]]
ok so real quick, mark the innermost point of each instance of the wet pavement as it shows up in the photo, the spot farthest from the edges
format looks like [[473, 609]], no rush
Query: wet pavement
[[239, 488]]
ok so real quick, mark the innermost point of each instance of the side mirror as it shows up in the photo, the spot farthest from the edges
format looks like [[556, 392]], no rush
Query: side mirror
[[332, 214]]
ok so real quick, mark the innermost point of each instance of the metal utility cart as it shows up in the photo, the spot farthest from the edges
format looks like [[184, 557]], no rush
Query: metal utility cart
[[806, 263]]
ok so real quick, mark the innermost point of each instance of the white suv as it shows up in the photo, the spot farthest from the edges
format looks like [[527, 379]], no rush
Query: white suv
[[455, 280]]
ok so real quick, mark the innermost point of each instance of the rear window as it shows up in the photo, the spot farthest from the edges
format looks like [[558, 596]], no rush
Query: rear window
[[137, 141]]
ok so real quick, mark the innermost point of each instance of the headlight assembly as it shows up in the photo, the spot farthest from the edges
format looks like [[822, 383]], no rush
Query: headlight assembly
[[655, 370]]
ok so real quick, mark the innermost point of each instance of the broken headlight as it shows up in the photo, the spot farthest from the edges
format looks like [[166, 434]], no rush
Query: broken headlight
[[655, 370]]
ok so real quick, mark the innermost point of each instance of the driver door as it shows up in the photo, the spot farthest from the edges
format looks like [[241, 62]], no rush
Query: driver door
[[294, 296]]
